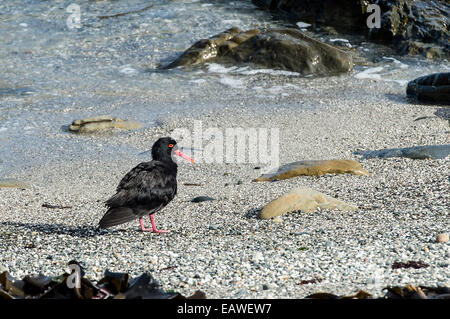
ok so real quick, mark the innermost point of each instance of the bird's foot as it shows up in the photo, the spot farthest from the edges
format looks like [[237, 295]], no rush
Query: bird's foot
[[155, 230], [160, 231], [141, 222]]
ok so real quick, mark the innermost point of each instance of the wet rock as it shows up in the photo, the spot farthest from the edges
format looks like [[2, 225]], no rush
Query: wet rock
[[415, 27], [12, 183], [303, 199], [340, 13], [200, 199], [430, 88], [442, 238], [284, 49], [99, 123], [206, 50], [291, 50], [415, 152], [314, 168], [410, 26]]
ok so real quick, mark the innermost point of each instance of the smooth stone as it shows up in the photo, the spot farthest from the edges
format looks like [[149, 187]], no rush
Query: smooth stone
[[100, 118], [303, 199], [415, 152], [12, 183], [200, 199], [442, 238], [314, 168], [103, 122], [127, 124]]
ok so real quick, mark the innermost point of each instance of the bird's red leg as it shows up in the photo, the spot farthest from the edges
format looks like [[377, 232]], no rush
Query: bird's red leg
[[155, 230], [141, 221]]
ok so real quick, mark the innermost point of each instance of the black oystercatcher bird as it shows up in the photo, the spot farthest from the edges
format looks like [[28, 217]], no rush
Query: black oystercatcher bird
[[146, 189]]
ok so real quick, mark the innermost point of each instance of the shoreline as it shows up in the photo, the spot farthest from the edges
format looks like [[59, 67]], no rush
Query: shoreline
[[221, 247]]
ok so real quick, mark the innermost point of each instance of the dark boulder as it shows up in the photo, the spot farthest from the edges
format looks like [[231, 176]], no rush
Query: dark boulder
[[410, 26], [433, 88], [415, 27], [340, 13]]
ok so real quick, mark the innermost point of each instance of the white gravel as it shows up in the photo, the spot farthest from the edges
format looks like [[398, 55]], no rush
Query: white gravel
[[220, 246]]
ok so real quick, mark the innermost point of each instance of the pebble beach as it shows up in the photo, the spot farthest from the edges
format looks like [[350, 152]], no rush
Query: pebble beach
[[53, 75], [221, 247]]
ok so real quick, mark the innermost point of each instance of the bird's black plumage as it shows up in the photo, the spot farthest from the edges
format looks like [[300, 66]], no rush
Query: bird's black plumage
[[146, 189]]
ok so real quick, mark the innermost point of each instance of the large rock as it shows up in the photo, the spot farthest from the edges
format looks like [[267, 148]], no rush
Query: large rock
[[303, 199], [314, 168], [430, 88], [100, 123], [292, 50], [415, 152], [415, 26], [410, 26], [285, 49], [339, 13]]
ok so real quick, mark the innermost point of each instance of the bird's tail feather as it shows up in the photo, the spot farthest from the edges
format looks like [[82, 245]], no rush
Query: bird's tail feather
[[116, 216]]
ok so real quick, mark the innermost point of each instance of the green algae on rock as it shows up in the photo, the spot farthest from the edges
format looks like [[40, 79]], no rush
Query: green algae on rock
[[303, 199], [314, 168]]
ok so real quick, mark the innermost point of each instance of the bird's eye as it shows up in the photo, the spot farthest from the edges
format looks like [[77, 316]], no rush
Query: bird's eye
[[170, 145]]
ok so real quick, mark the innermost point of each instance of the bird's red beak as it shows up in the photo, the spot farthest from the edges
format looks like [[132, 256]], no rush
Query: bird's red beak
[[181, 154]]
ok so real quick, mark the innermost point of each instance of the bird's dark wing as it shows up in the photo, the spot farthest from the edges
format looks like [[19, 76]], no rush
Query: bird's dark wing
[[149, 185], [116, 216]]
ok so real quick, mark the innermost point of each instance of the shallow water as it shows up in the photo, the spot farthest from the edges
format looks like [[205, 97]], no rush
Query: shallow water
[[53, 73]]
